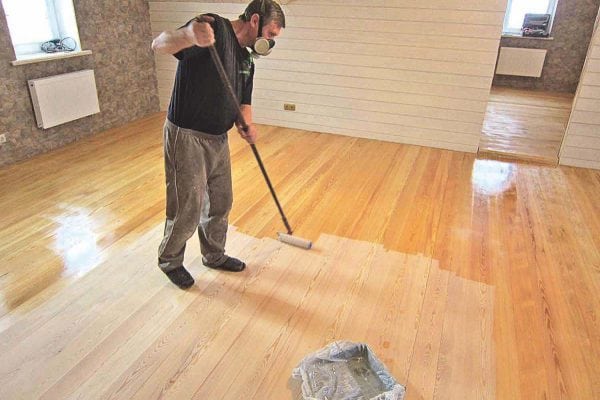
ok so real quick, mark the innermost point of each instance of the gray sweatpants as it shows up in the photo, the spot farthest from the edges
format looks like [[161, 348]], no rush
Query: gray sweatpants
[[199, 195]]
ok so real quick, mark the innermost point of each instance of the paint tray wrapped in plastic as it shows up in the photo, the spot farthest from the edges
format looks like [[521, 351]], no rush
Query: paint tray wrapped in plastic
[[346, 371]]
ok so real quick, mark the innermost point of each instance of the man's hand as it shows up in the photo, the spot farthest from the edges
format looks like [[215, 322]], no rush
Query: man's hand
[[249, 135], [200, 33]]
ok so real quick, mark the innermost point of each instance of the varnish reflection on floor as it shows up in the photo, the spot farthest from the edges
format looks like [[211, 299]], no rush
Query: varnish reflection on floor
[[525, 124]]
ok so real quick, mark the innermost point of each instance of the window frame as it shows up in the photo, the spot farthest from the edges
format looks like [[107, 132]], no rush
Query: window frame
[[58, 31], [552, 4]]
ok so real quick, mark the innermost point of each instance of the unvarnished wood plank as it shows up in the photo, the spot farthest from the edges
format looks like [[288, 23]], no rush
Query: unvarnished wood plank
[[424, 366], [344, 124], [586, 117], [593, 65], [372, 25], [581, 153], [587, 104], [577, 129], [591, 78], [471, 44], [589, 92], [582, 142], [491, 5], [442, 85], [400, 50], [475, 99], [467, 143], [393, 62], [576, 162], [384, 104], [358, 113], [344, 81], [376, 100], [497, 5], [460, 338], [328, 11]]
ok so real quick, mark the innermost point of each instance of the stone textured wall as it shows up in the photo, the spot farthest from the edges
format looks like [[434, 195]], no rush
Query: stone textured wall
[[119, 35], [572, 31]]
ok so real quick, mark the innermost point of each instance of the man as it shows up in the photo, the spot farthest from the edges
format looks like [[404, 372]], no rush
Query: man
[[197, 163]]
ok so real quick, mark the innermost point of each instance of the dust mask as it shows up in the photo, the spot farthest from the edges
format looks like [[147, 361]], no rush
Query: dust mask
[[262, 46]]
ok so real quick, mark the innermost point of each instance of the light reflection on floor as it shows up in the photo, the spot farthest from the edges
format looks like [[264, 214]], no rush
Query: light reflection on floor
[[75, 241], [492, 178]]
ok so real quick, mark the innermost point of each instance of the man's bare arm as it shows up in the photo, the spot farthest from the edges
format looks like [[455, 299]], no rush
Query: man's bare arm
[[194, 34]]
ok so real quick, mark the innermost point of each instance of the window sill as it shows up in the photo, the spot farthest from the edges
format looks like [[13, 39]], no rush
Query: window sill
[[42, 57], [517, 36]]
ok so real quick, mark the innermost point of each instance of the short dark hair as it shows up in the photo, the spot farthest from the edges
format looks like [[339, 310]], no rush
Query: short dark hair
[[268, 9]]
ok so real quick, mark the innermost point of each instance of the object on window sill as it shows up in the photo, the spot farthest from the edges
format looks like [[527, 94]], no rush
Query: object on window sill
[[66, 44], [536, 25]]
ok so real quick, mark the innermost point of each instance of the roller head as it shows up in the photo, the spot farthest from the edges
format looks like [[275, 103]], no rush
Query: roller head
[[294, 241]]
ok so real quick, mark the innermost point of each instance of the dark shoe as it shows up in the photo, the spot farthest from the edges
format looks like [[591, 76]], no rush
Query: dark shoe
[[181, 277], [230, 264]]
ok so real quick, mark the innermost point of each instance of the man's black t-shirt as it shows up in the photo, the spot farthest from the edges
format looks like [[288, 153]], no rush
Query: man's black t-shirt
[[199, 100]]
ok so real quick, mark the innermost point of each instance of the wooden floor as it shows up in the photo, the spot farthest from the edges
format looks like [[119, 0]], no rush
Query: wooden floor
[[525, 124], [469, 278]]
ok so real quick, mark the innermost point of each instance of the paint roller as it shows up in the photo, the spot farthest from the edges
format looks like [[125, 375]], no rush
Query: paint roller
[[283, 237]]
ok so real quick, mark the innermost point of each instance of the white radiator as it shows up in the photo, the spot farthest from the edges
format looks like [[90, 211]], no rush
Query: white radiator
[[63, 98], [521, 62]]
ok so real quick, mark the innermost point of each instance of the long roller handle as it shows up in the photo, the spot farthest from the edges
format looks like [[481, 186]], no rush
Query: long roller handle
[[264, 172], [242, 121]]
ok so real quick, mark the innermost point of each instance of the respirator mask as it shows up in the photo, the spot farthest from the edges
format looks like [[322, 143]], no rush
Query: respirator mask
[[262, 46]]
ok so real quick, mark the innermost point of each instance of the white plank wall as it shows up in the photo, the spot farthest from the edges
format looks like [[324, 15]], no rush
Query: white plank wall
[[581, 145], [403, 71]]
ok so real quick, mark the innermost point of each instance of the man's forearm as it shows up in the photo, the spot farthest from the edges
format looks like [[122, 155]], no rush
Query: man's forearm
[[246, 110], [171, 42]]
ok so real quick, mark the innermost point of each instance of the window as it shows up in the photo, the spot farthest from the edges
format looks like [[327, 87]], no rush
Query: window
[[34, 22], [516, 10]]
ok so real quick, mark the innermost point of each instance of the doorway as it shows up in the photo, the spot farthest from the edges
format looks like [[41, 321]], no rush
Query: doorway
[[531, 99], [525, 124]]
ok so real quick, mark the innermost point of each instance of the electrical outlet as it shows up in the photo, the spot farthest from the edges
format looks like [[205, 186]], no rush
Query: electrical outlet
[[289, 107], [3, 138]]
